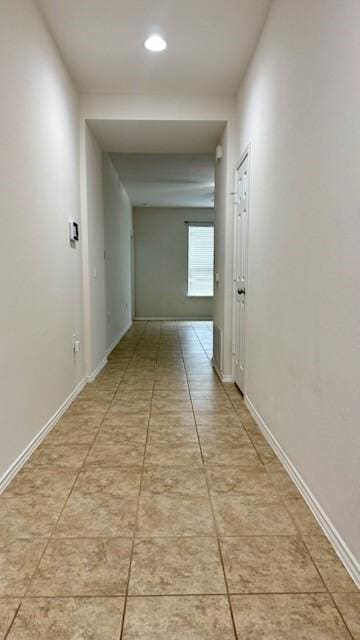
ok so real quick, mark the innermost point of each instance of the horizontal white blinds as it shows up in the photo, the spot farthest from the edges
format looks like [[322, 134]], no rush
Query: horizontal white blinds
[[201, 260]]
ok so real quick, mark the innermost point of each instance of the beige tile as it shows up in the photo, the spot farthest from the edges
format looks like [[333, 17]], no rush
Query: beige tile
[[8, 609], [269, 564], [68, 619], [247, 420], [136, 385], [283, 483], [88, 407], [223, 434], [216, 404], [185, 419], [26, 517], [164, 516], [42, 482], [100, 386], [203, 382], [59, 455], [72, 432], [164, 384], [97, 515], [174, 481], [173, 454], [285, 617], [171, 395], [132, 405], [82, 420], [302, 517], [226, 421], [251, 427], [223, 453], [18, 560], [173, 406], [105, 481], [252, 484], [123, 419], [349, 607], [126, 434], [107, 453], [168, 434], [202, 417], [178, 618], [236, 517], [274, 465], [164, 566], [209, 394], [131, 393], [266, 453], [83, 568], [330, 567]]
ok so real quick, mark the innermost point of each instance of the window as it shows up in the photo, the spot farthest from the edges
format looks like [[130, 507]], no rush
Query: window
[[201, 259]]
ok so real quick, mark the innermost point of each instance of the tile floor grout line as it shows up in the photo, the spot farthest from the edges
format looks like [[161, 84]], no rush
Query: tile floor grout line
[[330, 593], [215, 526], [76, 477], [300, 536], [7, 633], [122, 627], [238, 594]]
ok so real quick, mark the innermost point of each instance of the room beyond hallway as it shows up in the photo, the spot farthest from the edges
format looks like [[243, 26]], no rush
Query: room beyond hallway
[[155, 509]]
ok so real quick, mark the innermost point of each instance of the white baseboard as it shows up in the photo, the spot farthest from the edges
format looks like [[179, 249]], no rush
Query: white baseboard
[[95, 373], [173, 319], [223, 377], [348, 559], [117, 339], [25, 455]]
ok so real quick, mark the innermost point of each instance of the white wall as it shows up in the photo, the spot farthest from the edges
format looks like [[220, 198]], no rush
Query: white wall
[[94, 269], [161, 264], [299, 107], [40, 274], [157, 107], [118, 231], [224, 238]]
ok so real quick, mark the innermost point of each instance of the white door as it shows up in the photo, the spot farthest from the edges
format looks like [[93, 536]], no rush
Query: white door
[[240, 266]]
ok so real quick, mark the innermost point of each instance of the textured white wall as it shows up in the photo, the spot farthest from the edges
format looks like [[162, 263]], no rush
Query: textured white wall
[[118, 230], [40, 274], [161, 264], [299, 107]]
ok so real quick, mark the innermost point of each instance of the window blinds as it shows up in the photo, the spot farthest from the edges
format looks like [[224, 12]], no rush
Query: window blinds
[[200, 260]]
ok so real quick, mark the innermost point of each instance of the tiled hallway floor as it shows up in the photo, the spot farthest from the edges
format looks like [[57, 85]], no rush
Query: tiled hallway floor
[[155, 510]]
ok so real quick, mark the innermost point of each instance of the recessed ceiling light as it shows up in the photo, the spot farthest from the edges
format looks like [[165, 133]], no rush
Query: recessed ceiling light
[[155, 43]]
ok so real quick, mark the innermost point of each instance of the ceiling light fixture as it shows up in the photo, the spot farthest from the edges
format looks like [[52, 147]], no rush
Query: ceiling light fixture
[[155, 43]]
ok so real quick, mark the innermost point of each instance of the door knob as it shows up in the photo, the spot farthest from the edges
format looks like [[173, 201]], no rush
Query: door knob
[[241, 291]]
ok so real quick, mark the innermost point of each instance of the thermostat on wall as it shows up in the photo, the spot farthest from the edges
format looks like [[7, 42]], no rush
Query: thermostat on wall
[[73, 231]]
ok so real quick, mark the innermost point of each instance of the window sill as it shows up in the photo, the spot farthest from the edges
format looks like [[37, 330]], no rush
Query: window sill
[[190, 295]]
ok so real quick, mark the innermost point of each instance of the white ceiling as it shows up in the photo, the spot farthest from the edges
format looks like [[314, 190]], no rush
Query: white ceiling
[[210, 43], [157, 136], [167, 180]]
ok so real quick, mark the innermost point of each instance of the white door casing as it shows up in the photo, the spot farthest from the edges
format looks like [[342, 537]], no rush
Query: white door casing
[[240, 267]]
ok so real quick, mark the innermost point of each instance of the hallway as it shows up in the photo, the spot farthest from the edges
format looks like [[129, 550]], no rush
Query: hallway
[[155, 509]]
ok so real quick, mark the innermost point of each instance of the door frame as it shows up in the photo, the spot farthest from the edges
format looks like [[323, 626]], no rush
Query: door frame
[[132, 273], [245, 154]]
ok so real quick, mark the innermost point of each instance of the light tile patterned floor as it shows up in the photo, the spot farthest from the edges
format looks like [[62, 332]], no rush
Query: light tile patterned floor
[[156, 510]]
